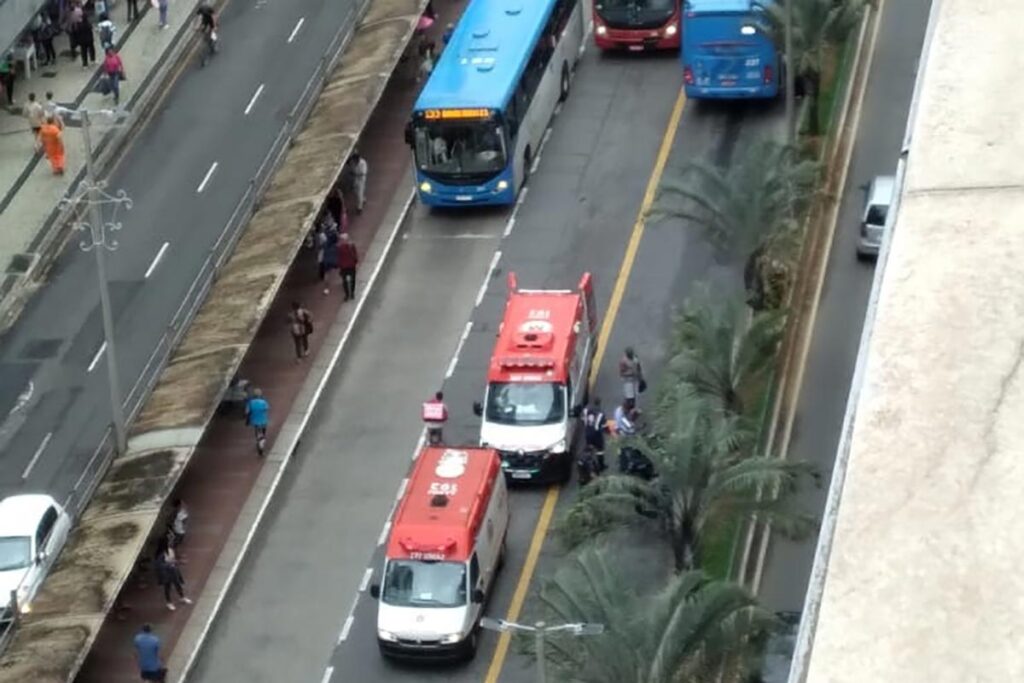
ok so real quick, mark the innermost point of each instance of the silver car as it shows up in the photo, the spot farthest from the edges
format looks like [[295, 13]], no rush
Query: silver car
[[876, 209]]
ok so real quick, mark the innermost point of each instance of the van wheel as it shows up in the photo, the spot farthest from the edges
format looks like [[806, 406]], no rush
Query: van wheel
[[563, 92], [566, 474], [472, 641], [502, 552]]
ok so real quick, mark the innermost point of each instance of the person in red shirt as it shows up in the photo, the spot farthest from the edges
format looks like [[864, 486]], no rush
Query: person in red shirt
[[348, 259], [435, 414]]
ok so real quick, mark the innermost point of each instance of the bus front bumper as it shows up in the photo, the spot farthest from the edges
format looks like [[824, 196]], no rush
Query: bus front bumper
[[432, 195], [635, 40]]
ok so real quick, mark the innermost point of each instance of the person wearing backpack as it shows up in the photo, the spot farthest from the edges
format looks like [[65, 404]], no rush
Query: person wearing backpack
[[113, 71], [107, 31], [300, 324]]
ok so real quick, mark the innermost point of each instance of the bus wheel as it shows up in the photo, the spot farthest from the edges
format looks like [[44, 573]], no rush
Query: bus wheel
[[563, 93]]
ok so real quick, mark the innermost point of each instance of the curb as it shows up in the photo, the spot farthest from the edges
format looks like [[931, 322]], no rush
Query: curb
[[49, 241], [282, 453], [806, 295]]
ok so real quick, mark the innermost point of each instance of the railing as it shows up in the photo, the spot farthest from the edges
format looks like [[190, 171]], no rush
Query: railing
[[218, 253]]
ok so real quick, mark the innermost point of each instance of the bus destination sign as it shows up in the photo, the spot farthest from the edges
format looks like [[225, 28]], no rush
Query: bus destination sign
[[452, 114]]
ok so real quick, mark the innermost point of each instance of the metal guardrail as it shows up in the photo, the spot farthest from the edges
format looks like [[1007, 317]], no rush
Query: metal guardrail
[[197, 292]]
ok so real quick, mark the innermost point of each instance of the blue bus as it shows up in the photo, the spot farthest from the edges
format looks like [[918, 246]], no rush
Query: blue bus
[[480, 118], [726, 53]]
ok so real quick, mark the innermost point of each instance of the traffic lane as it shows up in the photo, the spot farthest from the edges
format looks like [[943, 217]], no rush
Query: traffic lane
[[299, 581], [163, 172], [847, 287], [587, 189]]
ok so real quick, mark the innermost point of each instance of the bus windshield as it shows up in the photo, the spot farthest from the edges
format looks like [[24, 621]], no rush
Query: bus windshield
[[460, 150], [636, 5], [416, 583], [525, 403]]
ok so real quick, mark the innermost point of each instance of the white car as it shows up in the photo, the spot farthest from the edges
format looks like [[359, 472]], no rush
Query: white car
[[33, 529]]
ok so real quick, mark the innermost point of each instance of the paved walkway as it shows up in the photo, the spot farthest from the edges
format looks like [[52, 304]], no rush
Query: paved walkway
[[225, 468], [28, 190]]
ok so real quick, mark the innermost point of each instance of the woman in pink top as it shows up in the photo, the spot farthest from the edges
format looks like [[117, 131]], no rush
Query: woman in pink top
[[113, 70]]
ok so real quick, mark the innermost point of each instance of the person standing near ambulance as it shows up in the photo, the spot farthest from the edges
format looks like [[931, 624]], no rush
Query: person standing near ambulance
[[632, 375], [435, 414]]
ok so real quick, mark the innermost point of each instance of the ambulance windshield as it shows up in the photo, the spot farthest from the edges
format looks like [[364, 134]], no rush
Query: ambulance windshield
[[525, 403], [414, 583]]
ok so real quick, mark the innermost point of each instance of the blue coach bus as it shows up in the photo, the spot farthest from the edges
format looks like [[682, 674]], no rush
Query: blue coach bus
[[480, 118], [726, 53]]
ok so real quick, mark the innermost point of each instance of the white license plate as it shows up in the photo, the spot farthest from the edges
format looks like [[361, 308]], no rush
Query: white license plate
[[463, 198], [519, 474], [636, 48]]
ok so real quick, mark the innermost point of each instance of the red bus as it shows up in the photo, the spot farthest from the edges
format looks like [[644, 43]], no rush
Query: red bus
[[637, 25]]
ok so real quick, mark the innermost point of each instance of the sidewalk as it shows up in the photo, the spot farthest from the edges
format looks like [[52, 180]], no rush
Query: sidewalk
[[228, 483], [29, 192]]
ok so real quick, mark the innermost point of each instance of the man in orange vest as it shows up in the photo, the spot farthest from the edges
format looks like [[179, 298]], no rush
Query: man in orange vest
[[435, 414]]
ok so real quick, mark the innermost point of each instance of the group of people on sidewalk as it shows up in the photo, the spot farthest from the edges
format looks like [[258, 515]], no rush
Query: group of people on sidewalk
[[624, 422]]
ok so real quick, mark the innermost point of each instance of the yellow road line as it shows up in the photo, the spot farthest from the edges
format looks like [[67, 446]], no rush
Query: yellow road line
[[547, 511]]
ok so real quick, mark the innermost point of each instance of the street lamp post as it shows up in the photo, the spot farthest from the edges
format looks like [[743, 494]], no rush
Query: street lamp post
[[540, 631], [92, 193], [790, 77]]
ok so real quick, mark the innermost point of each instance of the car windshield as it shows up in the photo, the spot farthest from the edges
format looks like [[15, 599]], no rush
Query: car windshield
[[637, 5], [416, 583], [876, 214], [15, 552], [460, 150], [525, 403]]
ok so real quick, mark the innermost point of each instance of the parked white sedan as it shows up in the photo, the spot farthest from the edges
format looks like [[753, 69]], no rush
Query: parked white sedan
[[33, 529]]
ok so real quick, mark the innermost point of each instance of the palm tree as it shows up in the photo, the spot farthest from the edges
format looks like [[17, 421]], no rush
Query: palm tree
[[818, 25], [687, 631], [706, 480], [753, 203], [723, 351]]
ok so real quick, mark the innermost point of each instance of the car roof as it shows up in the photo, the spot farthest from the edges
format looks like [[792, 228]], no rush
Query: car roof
[[20, 514], [882, 189]]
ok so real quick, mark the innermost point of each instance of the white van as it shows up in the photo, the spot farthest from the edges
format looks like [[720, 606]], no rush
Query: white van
[[872, 224]]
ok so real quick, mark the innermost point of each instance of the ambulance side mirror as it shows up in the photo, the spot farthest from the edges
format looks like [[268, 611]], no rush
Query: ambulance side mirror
[[478, 596], [478, 408], [375, 591]]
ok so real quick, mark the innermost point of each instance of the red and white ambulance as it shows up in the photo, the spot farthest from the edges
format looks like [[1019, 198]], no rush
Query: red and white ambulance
[[446, 545], [537, 380]]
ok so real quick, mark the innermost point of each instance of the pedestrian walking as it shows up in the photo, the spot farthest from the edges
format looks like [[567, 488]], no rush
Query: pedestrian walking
[[632, 375], [107, 31], [147, 655], [7, 78], [133, 10], [178, 524], [86, 41], [35, 114], [47, 32], [358, 168], [51, 142], [327, 253], [336, 207], [169, 576], [113, 71], [161, 5], [348, 259], [257, 416], [51, 109], [300, 324], [72, 18]]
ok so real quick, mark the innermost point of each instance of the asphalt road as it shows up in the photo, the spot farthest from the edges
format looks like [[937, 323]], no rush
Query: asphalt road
[[288, 615], [837, 329], [52, 375]]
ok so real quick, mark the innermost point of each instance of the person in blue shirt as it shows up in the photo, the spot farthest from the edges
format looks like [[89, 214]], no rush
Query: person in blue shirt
[[147, 654], [257, 414]]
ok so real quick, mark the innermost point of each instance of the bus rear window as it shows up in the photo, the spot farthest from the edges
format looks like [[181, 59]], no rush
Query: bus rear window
[[723, 34]]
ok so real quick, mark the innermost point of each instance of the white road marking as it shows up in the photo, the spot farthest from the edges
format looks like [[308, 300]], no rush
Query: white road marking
[[401, 489], [458, 350], [206, 178], [522, 196], [345, 628], [540, 150], [35, 456], [96, 358], [487, 278], [511, 224], [156, 260], [367, 575], [23, 398], [295, 30], [327, 674], [420, 444], [255, 96]]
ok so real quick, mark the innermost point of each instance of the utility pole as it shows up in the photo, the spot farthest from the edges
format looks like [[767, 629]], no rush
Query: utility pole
[[540, 631], [92, 194], [790, 77]]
